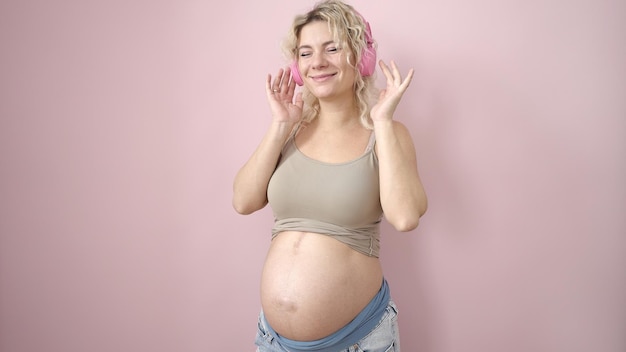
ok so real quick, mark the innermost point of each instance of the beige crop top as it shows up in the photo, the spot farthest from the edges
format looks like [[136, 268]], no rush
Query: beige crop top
[[339, 200]]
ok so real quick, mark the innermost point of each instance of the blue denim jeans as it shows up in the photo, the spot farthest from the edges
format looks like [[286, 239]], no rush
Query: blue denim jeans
[[385, 337]]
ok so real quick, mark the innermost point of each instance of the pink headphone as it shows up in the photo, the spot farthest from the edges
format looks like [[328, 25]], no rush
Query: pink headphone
[[367, 65]]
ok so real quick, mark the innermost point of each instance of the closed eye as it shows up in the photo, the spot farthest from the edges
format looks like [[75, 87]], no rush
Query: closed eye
[[331, 47]]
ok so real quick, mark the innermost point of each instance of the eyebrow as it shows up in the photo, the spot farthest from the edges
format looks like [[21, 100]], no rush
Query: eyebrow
[[310, 47]]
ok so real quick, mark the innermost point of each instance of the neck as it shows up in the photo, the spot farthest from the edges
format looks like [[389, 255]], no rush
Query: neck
[[337, 114]]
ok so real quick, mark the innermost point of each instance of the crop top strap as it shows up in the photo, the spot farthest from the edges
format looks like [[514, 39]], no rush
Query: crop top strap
[[371, 142], [296, 129]]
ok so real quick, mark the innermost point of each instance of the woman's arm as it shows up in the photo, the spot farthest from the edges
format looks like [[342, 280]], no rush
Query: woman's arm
[[401, 192], [250, 185]]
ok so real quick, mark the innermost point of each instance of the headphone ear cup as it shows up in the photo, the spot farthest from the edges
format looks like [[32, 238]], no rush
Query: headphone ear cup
[[367, 65], [295, 73]]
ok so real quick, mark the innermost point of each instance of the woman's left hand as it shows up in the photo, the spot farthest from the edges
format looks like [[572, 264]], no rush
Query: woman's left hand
[[391, 95]]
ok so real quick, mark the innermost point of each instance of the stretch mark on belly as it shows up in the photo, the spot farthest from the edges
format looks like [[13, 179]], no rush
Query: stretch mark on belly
[[296, 244]]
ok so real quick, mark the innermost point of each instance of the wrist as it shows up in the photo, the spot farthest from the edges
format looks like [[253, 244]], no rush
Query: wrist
[[281, 129], [383, 123]]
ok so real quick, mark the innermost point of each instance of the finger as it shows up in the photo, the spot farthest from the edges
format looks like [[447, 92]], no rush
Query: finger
[[299, 102], [408, 79], [385, 70], [277, 81], [286, 81], [268, 85], [282, 83], [291, 86], [382, 94], [397, 78]]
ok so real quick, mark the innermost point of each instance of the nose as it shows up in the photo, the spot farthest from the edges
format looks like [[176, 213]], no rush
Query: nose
[[318, 61]]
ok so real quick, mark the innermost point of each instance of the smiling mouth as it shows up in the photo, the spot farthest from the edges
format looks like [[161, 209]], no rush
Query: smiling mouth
[[324, 77]]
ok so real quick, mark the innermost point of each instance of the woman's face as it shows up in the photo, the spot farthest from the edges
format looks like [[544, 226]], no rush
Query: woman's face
[[323, 64]]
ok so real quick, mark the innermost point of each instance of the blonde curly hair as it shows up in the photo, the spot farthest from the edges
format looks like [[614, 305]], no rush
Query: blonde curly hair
[[348, 28]]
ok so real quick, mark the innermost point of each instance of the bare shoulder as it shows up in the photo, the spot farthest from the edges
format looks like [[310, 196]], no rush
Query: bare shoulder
[[399, 127], [402, 133]]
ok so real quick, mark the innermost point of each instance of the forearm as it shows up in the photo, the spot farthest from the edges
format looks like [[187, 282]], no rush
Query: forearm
[[401, 192], [250, 185]]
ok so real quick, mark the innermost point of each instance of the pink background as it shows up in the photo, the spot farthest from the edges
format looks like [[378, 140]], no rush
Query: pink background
[[123, 124]]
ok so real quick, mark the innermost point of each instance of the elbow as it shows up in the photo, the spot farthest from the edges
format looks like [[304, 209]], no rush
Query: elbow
[[409, 221], [405, 225], [404, 222], [246, 208], [242, 208]]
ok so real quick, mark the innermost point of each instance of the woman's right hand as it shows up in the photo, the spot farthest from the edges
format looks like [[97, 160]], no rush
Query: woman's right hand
[[280, 95]]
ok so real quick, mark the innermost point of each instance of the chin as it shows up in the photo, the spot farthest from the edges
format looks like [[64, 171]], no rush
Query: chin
[[321, 92]]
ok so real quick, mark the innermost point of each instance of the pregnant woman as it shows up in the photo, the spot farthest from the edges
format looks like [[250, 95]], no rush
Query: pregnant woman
[[330, 165]]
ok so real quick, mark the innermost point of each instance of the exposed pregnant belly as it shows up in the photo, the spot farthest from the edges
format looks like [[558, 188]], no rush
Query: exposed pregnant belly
[[312, 285]]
